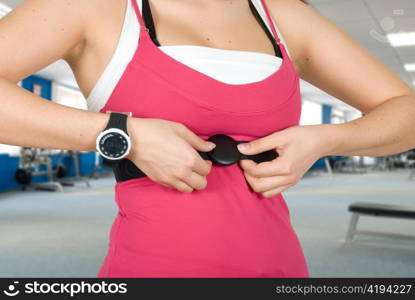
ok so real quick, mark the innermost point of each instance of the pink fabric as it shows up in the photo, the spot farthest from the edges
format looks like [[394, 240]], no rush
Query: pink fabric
[[227, 229]]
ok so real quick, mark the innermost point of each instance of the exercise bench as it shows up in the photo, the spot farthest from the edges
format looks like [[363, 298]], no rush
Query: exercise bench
[[377, 210]]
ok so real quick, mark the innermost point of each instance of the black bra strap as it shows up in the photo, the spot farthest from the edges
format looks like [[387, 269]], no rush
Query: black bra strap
[[277, 49], [148, 19]]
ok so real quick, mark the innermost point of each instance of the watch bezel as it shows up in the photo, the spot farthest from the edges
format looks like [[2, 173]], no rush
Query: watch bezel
[[118, 131]]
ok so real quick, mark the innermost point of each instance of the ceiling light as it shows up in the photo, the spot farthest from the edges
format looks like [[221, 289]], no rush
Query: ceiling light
[[410, 67], [4, 10], [401, 39]]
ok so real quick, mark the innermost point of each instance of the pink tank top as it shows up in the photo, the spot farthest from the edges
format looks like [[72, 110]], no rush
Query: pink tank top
[[227, 229]]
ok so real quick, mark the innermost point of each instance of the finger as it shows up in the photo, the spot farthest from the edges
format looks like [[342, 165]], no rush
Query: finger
[[195, 181], [248, 165], [196, 142], [182, 187], [264, 184], [201, 166], [259, 145], [265, 169], [159, 179], [276, 191], [167, 185]]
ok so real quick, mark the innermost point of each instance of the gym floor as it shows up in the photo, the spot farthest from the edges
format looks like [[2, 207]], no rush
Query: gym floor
[[47, 234]]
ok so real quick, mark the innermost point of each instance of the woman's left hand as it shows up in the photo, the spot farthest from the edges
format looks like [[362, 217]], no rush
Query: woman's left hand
[[299, 147]]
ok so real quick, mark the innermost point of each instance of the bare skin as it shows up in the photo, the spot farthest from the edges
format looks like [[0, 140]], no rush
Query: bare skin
[[85, 34], [177, 23]]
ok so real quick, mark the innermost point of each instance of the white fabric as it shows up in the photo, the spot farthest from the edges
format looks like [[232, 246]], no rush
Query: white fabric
[[229, 66]]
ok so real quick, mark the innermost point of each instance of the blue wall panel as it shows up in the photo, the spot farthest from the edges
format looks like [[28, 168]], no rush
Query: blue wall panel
[[326, 118], [46, 85], [9, 165]]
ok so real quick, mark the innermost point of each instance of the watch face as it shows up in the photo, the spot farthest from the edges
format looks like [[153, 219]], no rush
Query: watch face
[[114, 145]]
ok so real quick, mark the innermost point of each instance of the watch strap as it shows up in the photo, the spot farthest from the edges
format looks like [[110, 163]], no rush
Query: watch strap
[[117, 120]]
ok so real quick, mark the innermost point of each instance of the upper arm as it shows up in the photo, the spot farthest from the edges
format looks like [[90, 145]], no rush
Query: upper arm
[[39, 32], [331, 60]]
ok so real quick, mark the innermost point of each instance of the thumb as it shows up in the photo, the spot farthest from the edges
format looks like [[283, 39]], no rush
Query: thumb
[[259, 145], [197, 142]]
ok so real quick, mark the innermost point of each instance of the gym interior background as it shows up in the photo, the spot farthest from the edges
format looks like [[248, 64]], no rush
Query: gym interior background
[[355, 216]]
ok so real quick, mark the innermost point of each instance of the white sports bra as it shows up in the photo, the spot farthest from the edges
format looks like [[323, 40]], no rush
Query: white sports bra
[[229, 66]]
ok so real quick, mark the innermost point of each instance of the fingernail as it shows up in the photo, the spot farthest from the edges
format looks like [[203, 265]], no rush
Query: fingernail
[[243, 147], [211, 145]]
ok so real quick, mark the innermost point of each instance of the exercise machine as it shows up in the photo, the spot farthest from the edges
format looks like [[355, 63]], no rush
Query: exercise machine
[[36, 162]]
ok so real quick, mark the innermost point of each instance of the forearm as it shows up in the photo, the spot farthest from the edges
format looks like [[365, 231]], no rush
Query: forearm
[[386, 130], [30, 121]]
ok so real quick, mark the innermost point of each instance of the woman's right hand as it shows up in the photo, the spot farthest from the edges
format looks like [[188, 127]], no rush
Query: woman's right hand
[[166, 152]]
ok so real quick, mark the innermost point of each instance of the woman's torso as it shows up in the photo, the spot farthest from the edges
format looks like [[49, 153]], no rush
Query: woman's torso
[[155, 85], [174, 23], [226, 229], [228, 66]]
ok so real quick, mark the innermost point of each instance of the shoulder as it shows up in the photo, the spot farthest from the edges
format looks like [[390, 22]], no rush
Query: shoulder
[[42, 31], [97, 17], [299, 24], [102, 10]]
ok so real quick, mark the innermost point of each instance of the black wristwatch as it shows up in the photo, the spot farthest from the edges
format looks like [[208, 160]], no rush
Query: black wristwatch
[[114, 142]]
